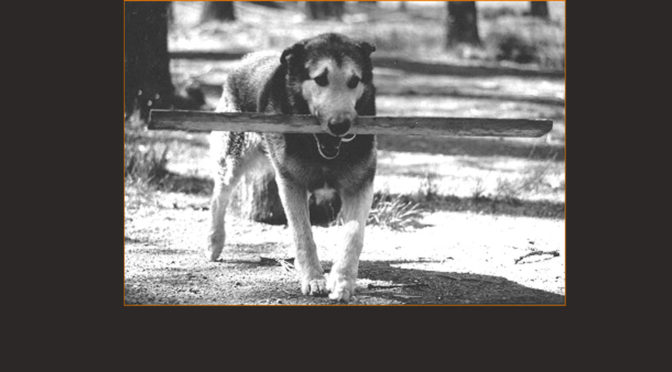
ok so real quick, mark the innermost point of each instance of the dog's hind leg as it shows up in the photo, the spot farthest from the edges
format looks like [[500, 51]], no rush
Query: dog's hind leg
[[355, 211], [233, 155], [295, 202]]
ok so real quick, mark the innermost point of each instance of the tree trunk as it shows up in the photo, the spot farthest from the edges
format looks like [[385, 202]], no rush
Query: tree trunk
[[148, 82], [539, 9], [221, 11], [325, 10], [256, 198], [147, 65], [462, 23]]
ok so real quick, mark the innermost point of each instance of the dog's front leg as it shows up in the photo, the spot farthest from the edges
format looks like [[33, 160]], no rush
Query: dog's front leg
[[231, 159], [355, 211], [295, 202]]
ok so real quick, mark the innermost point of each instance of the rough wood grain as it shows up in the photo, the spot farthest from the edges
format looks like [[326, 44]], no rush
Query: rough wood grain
[[203, 121]]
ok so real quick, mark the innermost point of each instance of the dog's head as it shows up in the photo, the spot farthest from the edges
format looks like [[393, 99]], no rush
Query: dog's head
[[331, 73]]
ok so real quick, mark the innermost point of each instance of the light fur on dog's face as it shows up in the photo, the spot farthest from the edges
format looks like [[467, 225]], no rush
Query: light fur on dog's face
[[336, 98]]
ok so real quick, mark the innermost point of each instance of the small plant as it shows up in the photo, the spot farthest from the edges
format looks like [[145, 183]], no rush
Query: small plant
[[507, 191], [395, 215], [145, 163], [536, 180], [511, 191], [479, 190], [428, 191]]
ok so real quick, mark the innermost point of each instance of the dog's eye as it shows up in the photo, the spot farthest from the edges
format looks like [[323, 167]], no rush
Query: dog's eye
[[322, 79], [352, 83]]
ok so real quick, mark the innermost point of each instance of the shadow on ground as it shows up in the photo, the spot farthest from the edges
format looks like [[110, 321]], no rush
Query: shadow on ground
[[412, 286], [251, 282], [473, 147], [175, 182]]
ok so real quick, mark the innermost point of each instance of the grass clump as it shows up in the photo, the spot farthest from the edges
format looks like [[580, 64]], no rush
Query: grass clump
[[478, 191], [429, 190], [396, 214], [145, 164], [512, 191]]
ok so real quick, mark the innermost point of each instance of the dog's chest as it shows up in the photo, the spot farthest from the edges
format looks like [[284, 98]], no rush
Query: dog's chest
[[333, 174], [312, 175], [297, 159]]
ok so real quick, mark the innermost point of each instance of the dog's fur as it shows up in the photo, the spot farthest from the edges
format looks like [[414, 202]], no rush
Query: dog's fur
[[330, 77]]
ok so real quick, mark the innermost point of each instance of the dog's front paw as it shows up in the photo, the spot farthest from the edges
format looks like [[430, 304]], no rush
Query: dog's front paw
[[314, 286], [341, 289], [215, 247]]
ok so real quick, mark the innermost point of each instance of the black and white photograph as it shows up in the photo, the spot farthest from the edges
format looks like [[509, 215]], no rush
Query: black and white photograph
[[339, 153]]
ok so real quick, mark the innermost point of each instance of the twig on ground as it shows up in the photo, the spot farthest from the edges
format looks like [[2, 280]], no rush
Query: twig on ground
[[373, 286], [537, 253], [286, 263]]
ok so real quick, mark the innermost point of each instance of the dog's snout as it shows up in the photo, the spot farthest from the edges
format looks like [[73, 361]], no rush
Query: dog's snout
[[339, 125]]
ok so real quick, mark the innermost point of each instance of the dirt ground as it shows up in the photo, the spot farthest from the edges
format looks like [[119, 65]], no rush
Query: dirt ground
[[452, 258]]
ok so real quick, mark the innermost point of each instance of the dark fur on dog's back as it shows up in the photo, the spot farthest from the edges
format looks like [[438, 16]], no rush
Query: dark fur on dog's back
[[263, 84]]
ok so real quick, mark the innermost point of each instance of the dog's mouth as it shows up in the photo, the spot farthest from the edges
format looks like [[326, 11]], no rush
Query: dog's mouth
[[329, 146]]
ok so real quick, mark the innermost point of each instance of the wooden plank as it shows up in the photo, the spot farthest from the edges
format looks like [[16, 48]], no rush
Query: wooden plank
[[205, 121]]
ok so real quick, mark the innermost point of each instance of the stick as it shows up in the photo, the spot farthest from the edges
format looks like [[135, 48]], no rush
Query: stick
[[372, 286], [204, 121], [537, 253], [287, 264]]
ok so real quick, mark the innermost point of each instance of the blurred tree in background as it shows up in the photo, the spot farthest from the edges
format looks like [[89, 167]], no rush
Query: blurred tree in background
[[539, 9], [323, 10], [462, 23], [147, 66], [148, 83], [218, 11]]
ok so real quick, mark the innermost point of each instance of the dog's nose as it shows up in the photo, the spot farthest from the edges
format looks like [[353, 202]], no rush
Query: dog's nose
[[339, 126]]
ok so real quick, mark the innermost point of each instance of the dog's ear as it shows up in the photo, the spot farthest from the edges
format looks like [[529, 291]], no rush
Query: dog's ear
[[293, 52], [366, 48]]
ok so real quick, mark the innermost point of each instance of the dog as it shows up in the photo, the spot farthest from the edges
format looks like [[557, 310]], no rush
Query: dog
[[330, 77]]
